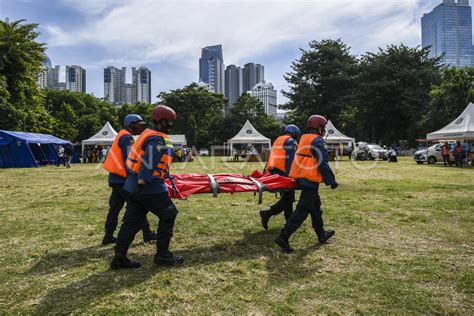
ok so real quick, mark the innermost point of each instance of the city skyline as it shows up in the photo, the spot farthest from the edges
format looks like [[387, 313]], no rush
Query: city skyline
[[171, 48]]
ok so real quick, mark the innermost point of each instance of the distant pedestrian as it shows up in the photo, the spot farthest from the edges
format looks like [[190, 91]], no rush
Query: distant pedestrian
[[458, 153], [104, 154], [392, 155], [68, 155], [446, 154], [61, 156]]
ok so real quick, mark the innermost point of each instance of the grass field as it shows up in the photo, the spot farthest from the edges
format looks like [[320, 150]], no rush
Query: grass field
[[404, 245]]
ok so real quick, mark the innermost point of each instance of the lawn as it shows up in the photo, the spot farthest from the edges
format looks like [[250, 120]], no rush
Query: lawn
[[404, 244]]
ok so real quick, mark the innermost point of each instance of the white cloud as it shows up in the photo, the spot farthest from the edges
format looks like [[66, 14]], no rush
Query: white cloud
[[152, 31], [141, 32]]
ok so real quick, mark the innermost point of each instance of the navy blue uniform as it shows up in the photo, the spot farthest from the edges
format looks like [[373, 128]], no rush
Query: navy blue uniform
[[310, 202], [150, 197], [285, 204], [119, 196]]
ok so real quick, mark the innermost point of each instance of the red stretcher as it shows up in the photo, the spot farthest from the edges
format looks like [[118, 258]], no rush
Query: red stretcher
[[180, 186]]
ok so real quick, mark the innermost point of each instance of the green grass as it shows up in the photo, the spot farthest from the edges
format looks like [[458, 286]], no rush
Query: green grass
[[403, 245]]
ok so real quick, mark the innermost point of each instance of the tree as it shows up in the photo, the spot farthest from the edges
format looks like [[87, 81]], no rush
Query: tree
[[199, 113], [394, 92], [448, 98], [20, 62], [322, 81]]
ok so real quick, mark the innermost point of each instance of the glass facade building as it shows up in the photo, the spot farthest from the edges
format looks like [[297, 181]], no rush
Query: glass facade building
[[211, 67], [448, 31]]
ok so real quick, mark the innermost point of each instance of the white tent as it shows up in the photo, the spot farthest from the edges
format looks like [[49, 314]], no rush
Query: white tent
[[333, 136], [105, 136], [249, 135], [461, 128], [178, 140]]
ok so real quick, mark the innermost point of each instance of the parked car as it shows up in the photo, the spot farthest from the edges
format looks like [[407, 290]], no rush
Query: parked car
[[430, 155], [203, 152], [365, 151]]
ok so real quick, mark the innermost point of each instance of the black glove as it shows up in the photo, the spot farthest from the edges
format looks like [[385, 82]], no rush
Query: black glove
[[334, 185]]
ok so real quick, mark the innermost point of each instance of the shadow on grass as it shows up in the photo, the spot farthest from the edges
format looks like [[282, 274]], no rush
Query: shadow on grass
[[281, 269]]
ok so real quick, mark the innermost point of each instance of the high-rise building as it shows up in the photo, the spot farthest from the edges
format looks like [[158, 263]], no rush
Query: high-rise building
[[49, 77], [252, 74], [141, 78], [267, 95], [211, 67], [75, 78], [114, 85], [118, 92], [448, 30], [233, 85]]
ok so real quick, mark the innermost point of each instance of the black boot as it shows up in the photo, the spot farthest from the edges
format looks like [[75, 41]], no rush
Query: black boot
[[149, 236], [108, 239], [122, 262], [265, 217], [165, 257], [282, 241], [168, 259], [324, 236]]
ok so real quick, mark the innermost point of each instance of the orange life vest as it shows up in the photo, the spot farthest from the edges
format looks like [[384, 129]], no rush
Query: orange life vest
[[277, 159], [305, 165], [114, 162], [445, 150], [135, 157]]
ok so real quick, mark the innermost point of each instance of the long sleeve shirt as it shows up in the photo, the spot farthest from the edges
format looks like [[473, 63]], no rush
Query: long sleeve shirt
[[321, 155], [154, 148]]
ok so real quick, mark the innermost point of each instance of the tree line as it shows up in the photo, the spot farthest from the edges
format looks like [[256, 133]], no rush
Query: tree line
[[397, 93]]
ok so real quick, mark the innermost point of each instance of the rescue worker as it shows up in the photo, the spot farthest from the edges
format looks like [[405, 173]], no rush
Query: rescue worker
[[279, 162], [458, 153], [148, 164], [115, 165], [446, 154], [310, 167]]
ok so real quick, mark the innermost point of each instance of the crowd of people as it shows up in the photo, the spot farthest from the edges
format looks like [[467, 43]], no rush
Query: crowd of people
[[94, 153]]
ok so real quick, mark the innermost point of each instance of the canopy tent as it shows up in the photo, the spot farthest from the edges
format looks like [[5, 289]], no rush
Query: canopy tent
[[178, 140], [461, 128], [334, 136], [249, 135], [20, 149], [105, 136]]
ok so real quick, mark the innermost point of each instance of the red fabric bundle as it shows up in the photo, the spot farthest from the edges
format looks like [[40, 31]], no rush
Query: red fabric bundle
[[183, 185]]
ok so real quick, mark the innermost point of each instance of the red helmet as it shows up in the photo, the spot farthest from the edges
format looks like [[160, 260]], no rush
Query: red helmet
[[315, 121], [161, 112]]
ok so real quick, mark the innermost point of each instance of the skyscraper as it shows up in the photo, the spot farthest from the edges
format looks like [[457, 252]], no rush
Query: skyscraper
[[448, 30], [114, 85], [211, 67], [267, 95], [141, 78], [75, 78], [233, 85], [252, 74]]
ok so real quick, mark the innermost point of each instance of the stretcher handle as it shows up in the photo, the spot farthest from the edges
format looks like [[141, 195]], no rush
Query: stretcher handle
[[214, 185], [260, 188]]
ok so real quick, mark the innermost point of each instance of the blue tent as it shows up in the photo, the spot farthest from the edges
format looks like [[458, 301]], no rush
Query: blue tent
[[20, 149]]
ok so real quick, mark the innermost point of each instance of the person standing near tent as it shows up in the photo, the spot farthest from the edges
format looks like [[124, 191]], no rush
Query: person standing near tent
[[310, 167], [279, 162], [149, 162], [446, 154], [115, 165], [458, 153], [68, 155], [61, 156]]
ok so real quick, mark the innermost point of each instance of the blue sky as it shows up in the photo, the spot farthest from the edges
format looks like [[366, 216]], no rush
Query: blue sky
[[166, 36]]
